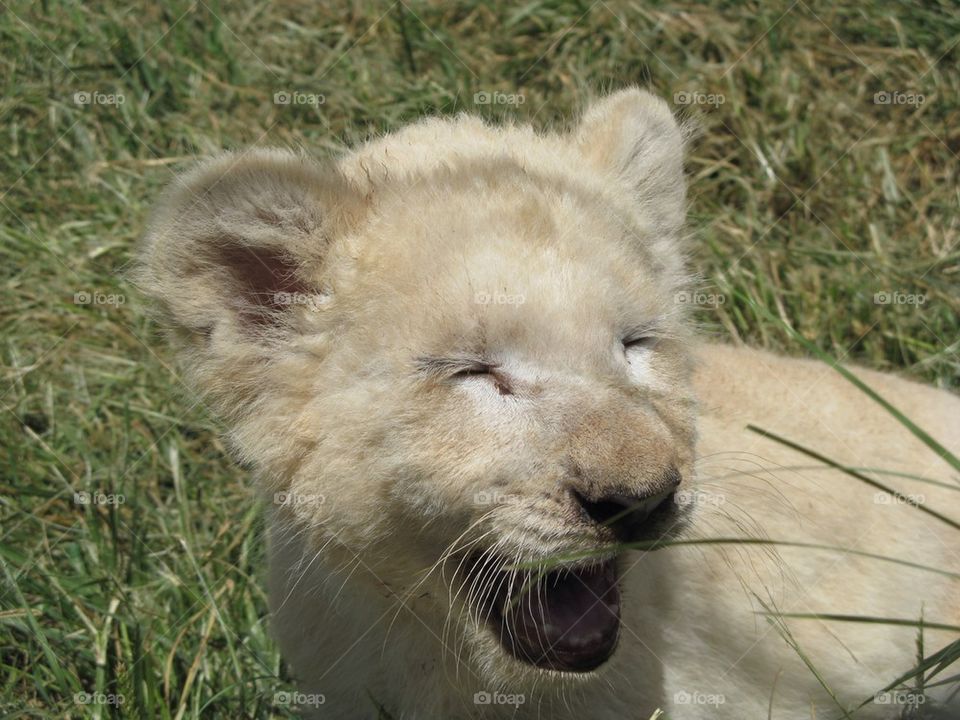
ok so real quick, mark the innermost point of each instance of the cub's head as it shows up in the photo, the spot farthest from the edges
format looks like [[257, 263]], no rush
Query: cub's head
[[455, 355]]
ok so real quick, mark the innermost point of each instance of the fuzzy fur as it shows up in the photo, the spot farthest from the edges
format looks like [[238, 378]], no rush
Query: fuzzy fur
[[322, 310]]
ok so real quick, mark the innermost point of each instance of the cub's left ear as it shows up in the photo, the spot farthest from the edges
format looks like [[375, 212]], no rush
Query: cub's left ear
[[633, 135]]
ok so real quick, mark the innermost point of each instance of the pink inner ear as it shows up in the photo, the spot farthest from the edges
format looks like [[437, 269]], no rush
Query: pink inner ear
[[266, 280]]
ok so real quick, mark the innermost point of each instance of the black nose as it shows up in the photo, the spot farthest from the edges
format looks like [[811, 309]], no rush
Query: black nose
[[627, 516]]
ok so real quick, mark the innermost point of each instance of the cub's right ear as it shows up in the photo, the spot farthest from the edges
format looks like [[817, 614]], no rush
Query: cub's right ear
[[236, 238], [232, 246]]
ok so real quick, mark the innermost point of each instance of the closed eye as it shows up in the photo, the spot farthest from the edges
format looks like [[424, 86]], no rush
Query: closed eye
[[475, 369], [640, 341], [443, 368], [483, 370], [453, 369]]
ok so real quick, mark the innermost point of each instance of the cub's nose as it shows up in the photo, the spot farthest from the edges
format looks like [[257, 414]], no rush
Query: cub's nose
[[626, 515]]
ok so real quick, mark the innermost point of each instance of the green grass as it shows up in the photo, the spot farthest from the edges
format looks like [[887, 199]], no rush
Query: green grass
[[807, 200]]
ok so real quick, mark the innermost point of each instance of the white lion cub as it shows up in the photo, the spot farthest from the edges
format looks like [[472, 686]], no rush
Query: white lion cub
[[459, 362]]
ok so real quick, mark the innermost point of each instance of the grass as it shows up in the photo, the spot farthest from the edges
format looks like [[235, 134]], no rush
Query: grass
[[808, 199]]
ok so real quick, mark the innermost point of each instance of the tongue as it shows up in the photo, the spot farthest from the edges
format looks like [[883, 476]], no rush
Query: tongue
[[568, 621]]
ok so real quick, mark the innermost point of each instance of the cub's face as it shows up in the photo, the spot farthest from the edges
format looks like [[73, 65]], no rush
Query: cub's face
[[468, 371]]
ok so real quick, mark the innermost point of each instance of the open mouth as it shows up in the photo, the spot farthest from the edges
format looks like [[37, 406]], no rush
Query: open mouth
[[565, 619]]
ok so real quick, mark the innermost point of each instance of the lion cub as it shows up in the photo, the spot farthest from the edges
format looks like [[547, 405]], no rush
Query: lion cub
[[459, 361]]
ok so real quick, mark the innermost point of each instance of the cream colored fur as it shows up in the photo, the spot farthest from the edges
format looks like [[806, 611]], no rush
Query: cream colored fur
[[305, 300]]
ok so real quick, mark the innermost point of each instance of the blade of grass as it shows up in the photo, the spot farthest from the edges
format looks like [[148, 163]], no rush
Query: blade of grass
[[877, 471], [775, 619], [658, 544], [853, 473], [939, 661], [870, 620], [917, 431], [945, 681], [39, 635]]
